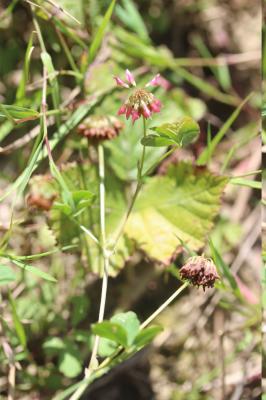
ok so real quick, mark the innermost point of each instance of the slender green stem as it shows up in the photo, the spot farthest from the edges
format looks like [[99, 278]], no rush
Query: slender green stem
[[67, 52], [163, 306], [105, 257], [163, 157], [105, 261], [140, 169], [138, 187], [259, 171]]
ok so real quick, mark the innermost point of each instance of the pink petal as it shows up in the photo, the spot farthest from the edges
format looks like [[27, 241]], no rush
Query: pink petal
[[145, 111], [156, 106], [130, 78], [164, 83], [128, 112], [246, 292], [155, 81], [122, 109], [120, 82], [135, 115], [158, 80]]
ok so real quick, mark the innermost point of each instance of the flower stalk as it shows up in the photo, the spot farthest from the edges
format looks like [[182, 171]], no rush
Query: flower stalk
[[105, 258], [138, 187]]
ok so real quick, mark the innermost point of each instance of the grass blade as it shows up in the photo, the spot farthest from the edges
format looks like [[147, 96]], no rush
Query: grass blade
[[17, 324], [25, 74], [208, 152], [100, 32], [33, 270], [246, 182]]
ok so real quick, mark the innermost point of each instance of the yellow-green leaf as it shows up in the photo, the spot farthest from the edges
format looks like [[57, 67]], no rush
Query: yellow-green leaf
[[180, 205]]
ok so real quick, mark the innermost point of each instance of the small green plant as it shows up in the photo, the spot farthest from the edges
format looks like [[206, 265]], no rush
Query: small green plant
[[102, 189]]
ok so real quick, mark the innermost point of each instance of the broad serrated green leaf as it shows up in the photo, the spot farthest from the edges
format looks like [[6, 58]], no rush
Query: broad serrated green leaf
[[7, 275], [189, 199], [180, 133], [130, 322], [146, 336], [112, 331], [188, 202]]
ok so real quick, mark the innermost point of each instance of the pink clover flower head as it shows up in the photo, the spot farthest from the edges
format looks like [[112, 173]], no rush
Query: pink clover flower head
[[141, 102]]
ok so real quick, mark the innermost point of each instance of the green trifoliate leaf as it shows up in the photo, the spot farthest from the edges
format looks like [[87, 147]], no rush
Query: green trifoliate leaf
[[130, 322], [180, 133], [112, 331]]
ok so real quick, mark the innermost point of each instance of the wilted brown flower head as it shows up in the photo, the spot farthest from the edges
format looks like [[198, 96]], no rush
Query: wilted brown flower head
[[200, 271], [99, 128]]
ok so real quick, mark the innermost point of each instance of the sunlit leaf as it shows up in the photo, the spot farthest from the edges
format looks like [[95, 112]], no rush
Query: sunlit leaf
[[180, 133], [146, 336], [69, 362], [112, 331], [130, 322], [188, 202]]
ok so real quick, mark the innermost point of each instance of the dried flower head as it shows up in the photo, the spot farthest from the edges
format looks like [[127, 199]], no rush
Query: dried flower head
[[141, 102], [99, 128], [40, 202], [199, 271]]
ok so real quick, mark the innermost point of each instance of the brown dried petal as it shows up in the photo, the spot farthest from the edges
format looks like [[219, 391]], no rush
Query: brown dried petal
[[100, 128], [199, 271]]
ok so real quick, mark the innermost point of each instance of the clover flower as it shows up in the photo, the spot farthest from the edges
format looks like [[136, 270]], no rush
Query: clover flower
[[141, 102], [199, 271], [97, 128]]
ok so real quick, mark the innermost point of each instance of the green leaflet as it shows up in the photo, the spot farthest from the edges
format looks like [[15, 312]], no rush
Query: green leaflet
[[180, 133], [69, 362], [182, 205]]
